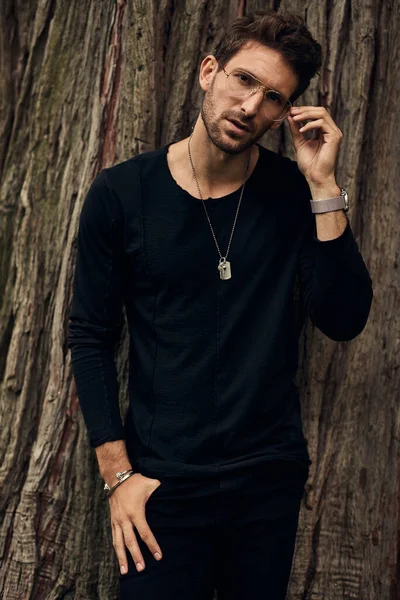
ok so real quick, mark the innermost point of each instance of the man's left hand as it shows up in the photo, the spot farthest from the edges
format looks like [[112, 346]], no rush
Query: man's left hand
[[316, 158]]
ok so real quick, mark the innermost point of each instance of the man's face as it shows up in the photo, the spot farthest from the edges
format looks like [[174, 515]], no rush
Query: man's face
[[265, 64]]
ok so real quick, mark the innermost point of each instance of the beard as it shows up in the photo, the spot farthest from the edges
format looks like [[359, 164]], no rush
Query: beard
[[213, 125]]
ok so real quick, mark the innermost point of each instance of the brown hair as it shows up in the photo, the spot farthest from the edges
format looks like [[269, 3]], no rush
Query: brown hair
[[285, 32]]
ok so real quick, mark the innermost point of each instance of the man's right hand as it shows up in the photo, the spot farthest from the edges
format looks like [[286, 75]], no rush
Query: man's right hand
[[127, 507]]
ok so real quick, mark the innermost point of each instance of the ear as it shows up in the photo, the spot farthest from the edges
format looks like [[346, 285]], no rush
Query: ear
[[208, 68]]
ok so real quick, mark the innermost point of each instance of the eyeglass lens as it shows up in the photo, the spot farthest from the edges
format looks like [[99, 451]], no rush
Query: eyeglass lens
[[241, 84]]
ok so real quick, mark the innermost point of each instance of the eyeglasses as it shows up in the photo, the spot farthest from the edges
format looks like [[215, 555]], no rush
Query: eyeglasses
[[241, 84]]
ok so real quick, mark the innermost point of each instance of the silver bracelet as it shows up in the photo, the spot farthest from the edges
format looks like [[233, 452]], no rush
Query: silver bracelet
[[121, 476]]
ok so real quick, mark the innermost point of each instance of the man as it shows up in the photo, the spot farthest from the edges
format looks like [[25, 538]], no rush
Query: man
[[202, 241]]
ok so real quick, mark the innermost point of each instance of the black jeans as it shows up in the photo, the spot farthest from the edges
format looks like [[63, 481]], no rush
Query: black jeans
[[234, 533]]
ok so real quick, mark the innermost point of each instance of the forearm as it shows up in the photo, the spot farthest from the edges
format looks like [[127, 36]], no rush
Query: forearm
[[337, 287], [112, 457], [95, 375]]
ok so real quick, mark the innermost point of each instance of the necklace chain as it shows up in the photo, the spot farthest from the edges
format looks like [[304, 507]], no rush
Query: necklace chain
[[223, 258]]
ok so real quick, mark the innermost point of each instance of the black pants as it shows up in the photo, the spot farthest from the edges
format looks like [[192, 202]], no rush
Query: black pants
[[234, 533]]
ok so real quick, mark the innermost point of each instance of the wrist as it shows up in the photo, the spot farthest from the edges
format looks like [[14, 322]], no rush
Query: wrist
[[323, 190], [109, 489], [112, 458], [110, 477]]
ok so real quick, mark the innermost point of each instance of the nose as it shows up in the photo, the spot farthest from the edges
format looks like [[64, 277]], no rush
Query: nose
[[252, 104]]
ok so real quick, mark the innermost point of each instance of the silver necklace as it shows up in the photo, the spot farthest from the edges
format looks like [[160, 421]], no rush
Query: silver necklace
[[224, 266]]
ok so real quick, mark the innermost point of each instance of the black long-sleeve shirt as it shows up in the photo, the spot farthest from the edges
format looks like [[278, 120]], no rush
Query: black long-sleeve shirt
[[211, 361]]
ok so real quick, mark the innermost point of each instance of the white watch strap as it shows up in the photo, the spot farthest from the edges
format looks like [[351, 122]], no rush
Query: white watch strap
[[330, 204]]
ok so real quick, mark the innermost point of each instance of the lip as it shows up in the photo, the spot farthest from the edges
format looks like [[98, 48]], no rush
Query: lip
[[242, 129]]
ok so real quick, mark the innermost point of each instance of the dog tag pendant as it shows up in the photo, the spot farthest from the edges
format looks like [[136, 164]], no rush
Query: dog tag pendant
[[224, 268]]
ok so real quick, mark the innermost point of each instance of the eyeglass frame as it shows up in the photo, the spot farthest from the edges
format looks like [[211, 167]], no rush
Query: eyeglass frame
[[261, 85]]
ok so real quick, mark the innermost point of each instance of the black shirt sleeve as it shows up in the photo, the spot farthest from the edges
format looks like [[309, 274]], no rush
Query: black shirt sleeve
[[334, 280], [96, 316]]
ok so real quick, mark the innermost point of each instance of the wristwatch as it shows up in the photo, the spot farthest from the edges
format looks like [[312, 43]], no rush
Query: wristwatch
[[329, 204]]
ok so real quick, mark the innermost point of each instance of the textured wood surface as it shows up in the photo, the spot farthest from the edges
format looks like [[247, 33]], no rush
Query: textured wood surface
[[84, 85]]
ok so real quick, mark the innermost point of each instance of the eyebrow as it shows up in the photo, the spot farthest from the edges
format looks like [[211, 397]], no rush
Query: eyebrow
[[266, 85]]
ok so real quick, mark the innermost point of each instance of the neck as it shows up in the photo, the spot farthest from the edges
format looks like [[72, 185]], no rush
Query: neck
[[213, 165]]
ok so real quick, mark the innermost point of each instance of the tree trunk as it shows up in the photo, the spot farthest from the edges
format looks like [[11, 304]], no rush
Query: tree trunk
[[87, 85]]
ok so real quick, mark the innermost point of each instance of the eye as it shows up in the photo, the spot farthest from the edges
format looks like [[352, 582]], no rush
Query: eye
[[243, 78], [274, 96]]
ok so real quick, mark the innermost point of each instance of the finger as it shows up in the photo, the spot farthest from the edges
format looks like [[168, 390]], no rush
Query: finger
[[321, 124], [147, 535], [119, 547], [311, 125], [133, 546], [313, 114], [310, 112]]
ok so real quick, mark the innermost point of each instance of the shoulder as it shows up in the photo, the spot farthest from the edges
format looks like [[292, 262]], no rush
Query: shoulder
[[127, 169], [124, 178]]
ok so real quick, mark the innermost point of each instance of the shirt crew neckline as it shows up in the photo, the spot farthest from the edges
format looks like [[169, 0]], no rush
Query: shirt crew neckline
[[210, 201]]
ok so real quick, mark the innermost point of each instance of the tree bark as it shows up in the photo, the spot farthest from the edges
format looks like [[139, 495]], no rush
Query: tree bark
[[87, 85]]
